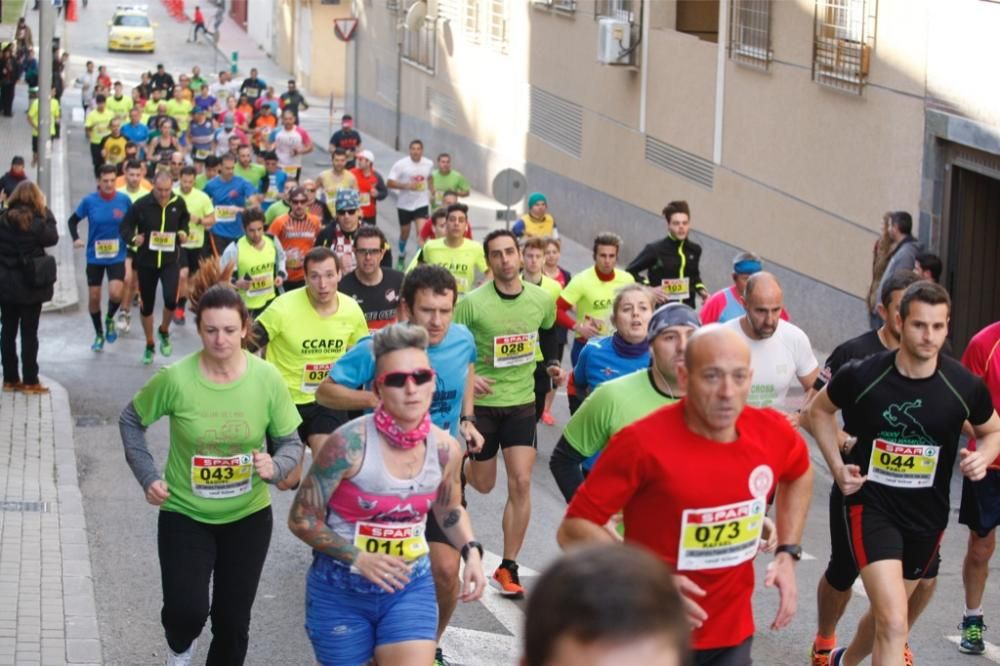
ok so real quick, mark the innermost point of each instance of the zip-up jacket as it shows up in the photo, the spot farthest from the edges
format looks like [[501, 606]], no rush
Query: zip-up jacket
[[156, 223], [669, 259]]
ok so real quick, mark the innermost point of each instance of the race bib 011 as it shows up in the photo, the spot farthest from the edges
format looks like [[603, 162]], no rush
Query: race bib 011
[[222, 477], [720, 537], [511, 350], [403, 540], [903, 465]]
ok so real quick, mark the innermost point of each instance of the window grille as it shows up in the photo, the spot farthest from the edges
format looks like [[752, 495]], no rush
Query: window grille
[[450, 10], [750, 33], [559, 5], [420, 46], [498, 25], [472, 21], [621, 9], [843, 40]]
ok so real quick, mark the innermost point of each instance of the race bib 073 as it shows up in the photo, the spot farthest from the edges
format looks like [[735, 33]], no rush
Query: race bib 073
[[722, 536]]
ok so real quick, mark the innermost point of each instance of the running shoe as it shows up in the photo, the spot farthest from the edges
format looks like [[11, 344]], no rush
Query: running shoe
[[165, 347], [439, 659], [972, 635], [147, 356], [819, 657], [507, 580], [33, 389], [182, 659], [548, 419], [98, 344], [110, 332], [123, 322], [179, 317], [907, 655], [837, 656], [10, 387]]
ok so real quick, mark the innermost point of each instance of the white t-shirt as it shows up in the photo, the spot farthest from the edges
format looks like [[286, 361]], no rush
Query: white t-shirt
[[286, 142], [777, 362], [408, 171]]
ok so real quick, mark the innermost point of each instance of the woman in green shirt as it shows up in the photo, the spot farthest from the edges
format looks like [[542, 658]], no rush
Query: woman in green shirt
[[215, 509]]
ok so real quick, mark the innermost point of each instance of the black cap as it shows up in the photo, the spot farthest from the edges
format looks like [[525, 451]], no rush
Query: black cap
[[17, 161], [671, 314]]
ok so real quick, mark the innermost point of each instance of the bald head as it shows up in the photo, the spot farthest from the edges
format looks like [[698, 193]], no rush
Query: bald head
[[764, 301], [716, 376]]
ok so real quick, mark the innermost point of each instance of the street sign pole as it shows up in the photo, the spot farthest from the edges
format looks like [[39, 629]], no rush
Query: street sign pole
[[508, 188], [46, 32]]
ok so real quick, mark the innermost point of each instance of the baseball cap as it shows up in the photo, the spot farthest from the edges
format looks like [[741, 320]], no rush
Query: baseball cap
[[229, 121], [348, 199], [671, 314], [368, 155]]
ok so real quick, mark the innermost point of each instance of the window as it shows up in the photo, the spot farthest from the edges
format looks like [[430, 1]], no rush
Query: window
[[497, 36], [472, 21], [750, 32], [450, 10], [559, 5], [843, 39], [420, 46], [623, 9]]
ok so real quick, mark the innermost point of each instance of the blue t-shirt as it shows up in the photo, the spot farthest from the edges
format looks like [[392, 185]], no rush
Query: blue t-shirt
[[206, 103], [137, 134], [104, 218], [450, 360], [272, 182], [201, 138], [600, 362], [231, 193]]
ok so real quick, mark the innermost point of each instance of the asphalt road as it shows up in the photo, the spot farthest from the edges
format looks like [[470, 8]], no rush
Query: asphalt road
[[122, 526]]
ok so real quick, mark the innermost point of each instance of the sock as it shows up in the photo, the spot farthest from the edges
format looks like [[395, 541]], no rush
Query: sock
[[112, 308], [972, 612], [824, 643], [508, 564], [162, 332], [182, 303], [95, 318], [402, 248]]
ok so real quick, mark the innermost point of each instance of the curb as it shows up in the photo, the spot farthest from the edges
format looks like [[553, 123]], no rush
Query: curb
[[65, 296]]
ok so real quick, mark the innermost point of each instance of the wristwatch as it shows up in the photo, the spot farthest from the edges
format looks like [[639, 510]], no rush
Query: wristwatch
[[469, 546], [470, 418], [794, 550]]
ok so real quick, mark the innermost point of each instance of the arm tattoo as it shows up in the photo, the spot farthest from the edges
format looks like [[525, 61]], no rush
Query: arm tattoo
[[307, 518], [452, 518]]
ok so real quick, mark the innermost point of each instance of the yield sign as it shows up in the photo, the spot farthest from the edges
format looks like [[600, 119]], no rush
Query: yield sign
[[345, 27]]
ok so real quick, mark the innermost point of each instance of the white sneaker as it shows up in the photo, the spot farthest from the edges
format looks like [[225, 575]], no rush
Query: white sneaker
[[123, 321], [182, 659]]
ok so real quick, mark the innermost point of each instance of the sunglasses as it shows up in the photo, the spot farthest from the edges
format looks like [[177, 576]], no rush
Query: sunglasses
[[348, 211], [299, 201], [366, 251], [398, 379]]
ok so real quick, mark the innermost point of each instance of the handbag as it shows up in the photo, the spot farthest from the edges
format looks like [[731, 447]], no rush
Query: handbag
[[39, 272]]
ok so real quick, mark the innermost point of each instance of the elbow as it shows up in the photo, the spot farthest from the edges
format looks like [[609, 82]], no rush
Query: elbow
[[563, 535]]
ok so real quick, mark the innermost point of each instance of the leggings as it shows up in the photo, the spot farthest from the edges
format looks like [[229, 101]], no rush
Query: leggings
[[231, 556], [26, 318], [168, 276]]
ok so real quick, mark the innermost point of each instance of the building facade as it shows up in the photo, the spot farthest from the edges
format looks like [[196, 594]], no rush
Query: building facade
[[789, 126]]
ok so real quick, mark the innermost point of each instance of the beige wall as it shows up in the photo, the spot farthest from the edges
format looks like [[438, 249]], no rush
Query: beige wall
[[805, 171]]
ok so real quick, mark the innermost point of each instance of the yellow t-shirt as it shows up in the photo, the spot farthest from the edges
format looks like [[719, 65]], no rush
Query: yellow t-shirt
[[99, 124], [120, 107], [461, 261], [303, 345], [330, 184], [181, 112], [592, 297], [33, 111], [199, 205]]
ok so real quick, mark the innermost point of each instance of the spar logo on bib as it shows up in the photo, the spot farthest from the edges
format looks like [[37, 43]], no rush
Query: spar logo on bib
[[761, 480]]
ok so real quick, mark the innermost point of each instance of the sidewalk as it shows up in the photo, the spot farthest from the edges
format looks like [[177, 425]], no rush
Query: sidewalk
[[47, 609]]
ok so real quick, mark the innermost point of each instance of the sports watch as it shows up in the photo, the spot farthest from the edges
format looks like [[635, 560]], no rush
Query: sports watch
[[793, 549]]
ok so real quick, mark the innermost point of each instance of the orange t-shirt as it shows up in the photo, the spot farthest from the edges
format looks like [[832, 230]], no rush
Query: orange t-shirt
[[297, 238]]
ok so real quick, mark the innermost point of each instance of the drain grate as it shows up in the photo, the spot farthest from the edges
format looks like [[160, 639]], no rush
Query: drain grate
[[40, 507], [89, 421]]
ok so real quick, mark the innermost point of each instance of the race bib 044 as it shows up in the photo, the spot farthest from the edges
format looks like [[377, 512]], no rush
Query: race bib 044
[[722, 536], [511, 350], [903, 465], [219, 478]]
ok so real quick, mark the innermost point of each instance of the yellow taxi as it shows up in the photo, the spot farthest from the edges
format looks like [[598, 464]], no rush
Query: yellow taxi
[[131, 30]]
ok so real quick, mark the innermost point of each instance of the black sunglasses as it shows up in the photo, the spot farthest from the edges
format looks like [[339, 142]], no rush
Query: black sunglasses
[[398, 379], [299, 201]]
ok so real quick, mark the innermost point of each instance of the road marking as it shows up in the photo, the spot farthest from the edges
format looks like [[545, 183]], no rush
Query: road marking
[[859, 588], [77, 114], [806, 556], [992, 651]]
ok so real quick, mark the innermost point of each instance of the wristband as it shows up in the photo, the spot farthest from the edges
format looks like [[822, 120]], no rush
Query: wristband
[[469, 546], [468, 418]]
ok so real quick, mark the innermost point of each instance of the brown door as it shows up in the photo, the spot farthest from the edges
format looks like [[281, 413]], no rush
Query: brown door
[[973, 262]]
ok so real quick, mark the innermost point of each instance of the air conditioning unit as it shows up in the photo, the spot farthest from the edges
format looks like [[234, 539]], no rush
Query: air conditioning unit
[[614, 39]]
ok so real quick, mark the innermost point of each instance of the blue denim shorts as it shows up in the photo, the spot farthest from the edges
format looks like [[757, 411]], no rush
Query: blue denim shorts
[[347, 616]]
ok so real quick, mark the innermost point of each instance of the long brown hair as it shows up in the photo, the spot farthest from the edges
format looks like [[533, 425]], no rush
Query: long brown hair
[[212, 289], [25, 203]]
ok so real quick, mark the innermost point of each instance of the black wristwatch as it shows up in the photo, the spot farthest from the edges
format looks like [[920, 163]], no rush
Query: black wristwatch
[[469, 418], [793, 549], [469, 546]]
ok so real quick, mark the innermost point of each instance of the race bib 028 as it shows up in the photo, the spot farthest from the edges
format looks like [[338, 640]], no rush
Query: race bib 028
[[511, 350]]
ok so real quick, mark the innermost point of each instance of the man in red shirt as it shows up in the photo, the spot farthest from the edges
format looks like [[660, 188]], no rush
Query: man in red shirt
[[371, 186], [980, 499], [707, 531]]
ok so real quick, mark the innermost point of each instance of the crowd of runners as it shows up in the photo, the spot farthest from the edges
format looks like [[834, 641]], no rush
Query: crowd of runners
[[409, 372]]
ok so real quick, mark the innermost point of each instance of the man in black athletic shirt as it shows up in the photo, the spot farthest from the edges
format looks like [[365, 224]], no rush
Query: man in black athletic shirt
[[906, 409], [375, 288]]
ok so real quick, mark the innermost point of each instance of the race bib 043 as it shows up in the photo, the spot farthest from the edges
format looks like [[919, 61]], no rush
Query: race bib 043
[[903, 465], [219, 478], [511, 350], [722, 536]]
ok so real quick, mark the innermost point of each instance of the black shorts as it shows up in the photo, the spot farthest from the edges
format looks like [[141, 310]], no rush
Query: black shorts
[[408, 216], [504, 427], [980, 509], [191, 256], [319, 420], [95, 273], [167, 278], [875, 536], [433, 531], [543, 384], [34, 144], [737, 655]]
